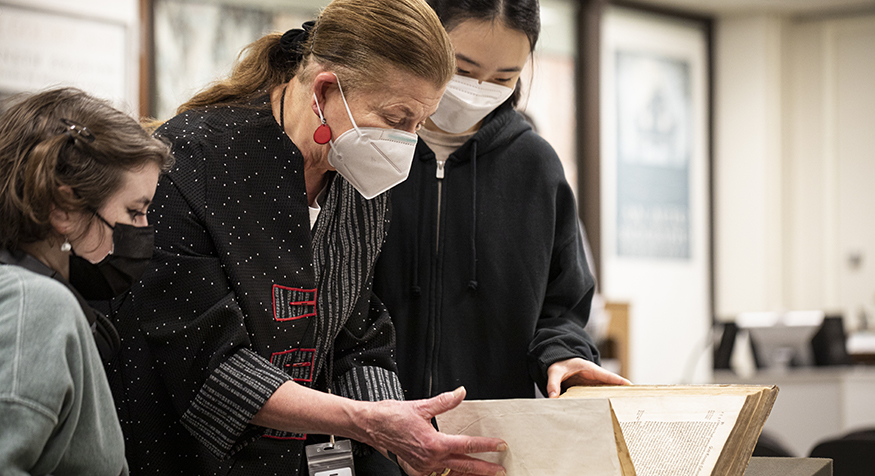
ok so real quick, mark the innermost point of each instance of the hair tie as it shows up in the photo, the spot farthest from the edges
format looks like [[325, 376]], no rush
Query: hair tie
[[75, 131], [292, 40]]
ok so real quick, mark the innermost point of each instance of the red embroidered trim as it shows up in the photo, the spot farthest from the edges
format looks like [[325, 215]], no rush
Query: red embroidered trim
[[299, 299], [296, 363]]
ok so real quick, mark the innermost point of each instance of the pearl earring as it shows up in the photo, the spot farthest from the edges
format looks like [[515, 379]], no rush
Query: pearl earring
[[66, 246]]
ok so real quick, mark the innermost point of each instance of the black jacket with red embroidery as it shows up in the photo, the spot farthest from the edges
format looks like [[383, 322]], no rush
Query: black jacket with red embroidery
[[494, 288], [242, 297]]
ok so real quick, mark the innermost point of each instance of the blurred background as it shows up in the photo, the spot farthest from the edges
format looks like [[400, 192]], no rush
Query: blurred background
[[721, 151]]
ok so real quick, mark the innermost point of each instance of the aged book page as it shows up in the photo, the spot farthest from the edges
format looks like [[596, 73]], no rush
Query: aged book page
[[545, 437], [678, 436], [690, 429]]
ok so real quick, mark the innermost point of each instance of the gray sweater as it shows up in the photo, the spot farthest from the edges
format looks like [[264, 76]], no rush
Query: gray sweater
[[56, 411]]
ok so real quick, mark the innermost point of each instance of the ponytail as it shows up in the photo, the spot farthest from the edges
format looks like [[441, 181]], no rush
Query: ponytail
[[261, 65]]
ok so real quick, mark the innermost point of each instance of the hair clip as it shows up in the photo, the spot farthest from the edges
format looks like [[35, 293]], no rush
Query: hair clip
[[81, 131]]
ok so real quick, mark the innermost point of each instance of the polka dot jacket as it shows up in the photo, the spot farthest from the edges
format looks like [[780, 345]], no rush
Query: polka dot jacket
[[243, 296]]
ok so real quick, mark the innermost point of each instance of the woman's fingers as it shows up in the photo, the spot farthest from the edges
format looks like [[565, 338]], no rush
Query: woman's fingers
[[441, 403], [405, 429], [465, 445], [441, 451], [463, 464], [577, 371]]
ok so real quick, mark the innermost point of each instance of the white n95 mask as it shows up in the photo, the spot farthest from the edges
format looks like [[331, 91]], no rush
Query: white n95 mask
[[372, 159], [466, 102]]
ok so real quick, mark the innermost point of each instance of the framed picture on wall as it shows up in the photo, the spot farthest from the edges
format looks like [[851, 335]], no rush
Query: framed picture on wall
[[655, 189], [654, 125], [196, 43]]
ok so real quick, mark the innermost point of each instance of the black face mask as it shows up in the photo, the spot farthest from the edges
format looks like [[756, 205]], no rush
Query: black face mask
[[115, 274]]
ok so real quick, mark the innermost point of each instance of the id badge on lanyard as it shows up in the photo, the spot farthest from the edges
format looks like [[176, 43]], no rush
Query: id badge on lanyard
[[330, 459]]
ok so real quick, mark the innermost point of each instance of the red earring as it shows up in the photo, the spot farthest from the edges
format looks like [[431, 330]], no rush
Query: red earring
[[322, 134]]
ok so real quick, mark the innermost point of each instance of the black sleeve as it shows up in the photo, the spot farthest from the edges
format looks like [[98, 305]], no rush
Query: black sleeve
[[560, 334]]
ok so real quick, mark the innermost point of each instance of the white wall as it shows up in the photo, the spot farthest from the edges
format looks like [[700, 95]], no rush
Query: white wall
[[807, 174], [747, 164], [831, 167], [794, 169]]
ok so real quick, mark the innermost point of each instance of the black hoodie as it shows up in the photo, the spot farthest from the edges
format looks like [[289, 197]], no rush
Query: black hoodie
[[499, 289]]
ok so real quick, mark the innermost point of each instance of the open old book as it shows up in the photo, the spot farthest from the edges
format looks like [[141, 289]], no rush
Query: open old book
[[696, 430]]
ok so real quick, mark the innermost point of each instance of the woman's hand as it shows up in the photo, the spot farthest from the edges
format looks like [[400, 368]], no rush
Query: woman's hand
[[405, 429], [576, 371]]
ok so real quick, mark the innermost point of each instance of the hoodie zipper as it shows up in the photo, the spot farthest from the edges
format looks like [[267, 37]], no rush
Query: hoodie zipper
[[439, 175]]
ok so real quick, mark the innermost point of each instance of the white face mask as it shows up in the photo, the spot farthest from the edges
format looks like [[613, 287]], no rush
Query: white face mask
[[466, 102], [372, 159]]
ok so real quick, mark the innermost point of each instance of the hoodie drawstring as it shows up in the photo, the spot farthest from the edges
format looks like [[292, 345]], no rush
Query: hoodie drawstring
[[415, 288], [472, 284]]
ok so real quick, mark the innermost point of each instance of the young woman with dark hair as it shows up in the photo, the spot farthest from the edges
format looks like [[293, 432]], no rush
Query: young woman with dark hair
[[77, 178], [484, 271]]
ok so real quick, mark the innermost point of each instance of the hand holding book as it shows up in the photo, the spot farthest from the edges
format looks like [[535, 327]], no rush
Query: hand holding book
[[575, 372]]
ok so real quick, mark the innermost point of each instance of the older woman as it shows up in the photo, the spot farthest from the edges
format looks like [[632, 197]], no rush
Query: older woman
[[256, 327], [77, 178]]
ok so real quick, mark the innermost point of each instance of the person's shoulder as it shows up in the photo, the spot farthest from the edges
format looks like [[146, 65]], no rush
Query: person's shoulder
[[525, 135], [24, 293], [510, 130], [197, 124], [536, 144], [28, 279], [34, 288], [43, 335], [194, 124], [529, 150]]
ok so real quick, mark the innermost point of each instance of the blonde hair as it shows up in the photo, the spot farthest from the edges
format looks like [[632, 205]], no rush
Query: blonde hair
[[362, 40]]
